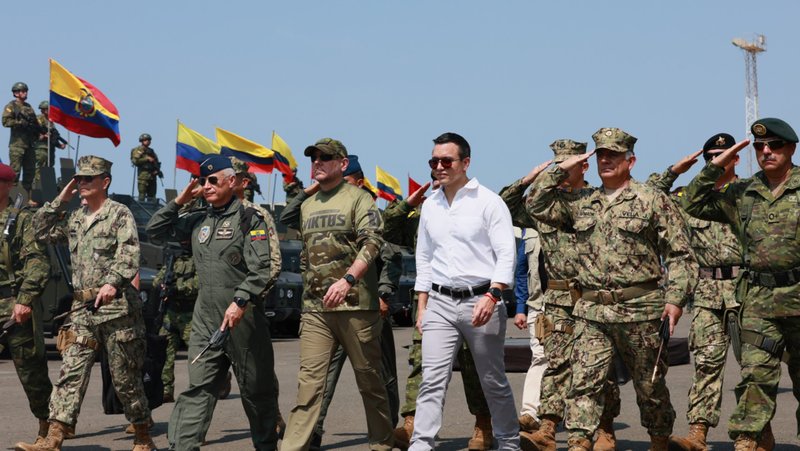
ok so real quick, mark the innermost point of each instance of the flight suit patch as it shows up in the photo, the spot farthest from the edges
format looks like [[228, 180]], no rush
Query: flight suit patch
[[235, 258], [258, 235], [224, 234], [204, 233]]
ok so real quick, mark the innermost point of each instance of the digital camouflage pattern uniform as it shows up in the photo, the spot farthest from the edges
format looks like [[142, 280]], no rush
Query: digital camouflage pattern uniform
[[770, 306], [178, 316], [21, 119], [620, 243], [45, 155], [23, 284], [401, 223], [148, 170], [338, 227], [103, 251]]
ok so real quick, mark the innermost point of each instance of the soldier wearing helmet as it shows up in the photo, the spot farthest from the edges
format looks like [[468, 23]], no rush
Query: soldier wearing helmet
[[147, 165], [20, 117], [45, 149]]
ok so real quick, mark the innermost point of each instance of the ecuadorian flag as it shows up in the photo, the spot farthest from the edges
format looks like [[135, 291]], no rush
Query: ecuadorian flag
[[80, 107], [388, 186], [192, 149], [257, 157], [284, 160]]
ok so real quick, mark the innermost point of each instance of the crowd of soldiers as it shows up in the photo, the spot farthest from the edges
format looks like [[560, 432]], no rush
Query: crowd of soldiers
[[620, 263]]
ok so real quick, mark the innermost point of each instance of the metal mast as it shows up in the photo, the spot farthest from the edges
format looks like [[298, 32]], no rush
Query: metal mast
[[751, 50]]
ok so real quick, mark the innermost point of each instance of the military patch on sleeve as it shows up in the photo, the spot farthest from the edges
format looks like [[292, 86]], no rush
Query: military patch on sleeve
[[258, 235], [204, 233]]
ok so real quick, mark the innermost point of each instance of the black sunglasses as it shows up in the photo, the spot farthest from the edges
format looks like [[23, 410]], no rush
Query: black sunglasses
[[775, 144], [214, 180], [446, 162], [321, 157], [84, 178]]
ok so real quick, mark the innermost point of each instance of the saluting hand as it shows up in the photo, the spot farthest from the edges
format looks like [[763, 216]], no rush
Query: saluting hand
[[69, 191], [528, 179], [686, 162], [575, 160], [417, 197], [187, 194], [723, 159]]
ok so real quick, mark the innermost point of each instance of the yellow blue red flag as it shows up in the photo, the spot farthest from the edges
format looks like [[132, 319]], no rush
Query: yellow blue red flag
[[192, 149], [371, 188], [388, 186], [283, 158], [257, 157], [80, 107]]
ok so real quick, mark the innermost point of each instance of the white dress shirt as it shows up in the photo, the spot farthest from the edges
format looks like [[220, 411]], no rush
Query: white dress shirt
[[467, 243]]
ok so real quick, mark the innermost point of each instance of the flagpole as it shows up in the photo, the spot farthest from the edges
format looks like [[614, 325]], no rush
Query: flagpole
[[77, 149], [274, 187], [175, 166]]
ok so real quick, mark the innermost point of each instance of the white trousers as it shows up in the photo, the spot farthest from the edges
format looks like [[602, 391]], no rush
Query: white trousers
[[533, 380]]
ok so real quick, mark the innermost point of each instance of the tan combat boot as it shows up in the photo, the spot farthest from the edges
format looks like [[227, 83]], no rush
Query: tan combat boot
[[605, 440], [52, 442], [579, 444], [695, 440], [542, 440], [659, 443], [767, 441], [142, 440], [482, 437], [131, 429], [402, 435], [44, 426], [528, 424], [744, 442]]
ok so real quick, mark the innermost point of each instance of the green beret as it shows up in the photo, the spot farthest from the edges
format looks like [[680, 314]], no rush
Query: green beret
[[328, 146], [614, 139], [718, 141], [771, 127], [565, 148], [92, 165]]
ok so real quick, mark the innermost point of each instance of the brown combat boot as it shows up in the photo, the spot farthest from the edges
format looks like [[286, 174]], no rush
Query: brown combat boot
[[142, 440], [605, 440], [659, 443], [694, 441], [544, 439], [51, 442], [69, 432], [767, 441], [579, 444], [402, 435], [482, 437], [528, 424], [745, 442], [131, 429]]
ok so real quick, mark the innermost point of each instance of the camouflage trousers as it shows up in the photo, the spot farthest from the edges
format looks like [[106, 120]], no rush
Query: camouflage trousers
[[558, 375], [41, 158], [709, 344], [26, 344], [177, 328], [592, 353], [22, 160], [761, 373], [147, 185], [123, 340]]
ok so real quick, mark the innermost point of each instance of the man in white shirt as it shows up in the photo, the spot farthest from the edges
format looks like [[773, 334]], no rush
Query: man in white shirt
[[465, 258]]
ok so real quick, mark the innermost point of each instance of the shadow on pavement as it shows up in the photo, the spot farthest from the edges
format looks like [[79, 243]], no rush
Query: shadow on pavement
[[231, 435]]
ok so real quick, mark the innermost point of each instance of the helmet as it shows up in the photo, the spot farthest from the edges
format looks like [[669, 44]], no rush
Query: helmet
[[19, 86], [145, 137], [44, 105]]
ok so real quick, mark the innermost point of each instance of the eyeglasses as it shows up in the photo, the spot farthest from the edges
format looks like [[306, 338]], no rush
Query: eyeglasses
[[84, 178], [214, 180], [446, 162], [321, 157], [775, 144]]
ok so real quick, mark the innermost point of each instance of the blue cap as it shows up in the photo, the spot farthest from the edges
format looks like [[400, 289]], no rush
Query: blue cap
[[353, 166], [214, 164]]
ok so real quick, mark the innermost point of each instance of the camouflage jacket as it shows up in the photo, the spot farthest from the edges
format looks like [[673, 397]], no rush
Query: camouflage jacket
[[47, 127], [30, 267], [184, 278], [105, 251], [337, 228], [139, 159], [229, 263], [274, 243], [560, 256], [771, 240], [714, 245], [21, 119], [620, 244], [401, 222]]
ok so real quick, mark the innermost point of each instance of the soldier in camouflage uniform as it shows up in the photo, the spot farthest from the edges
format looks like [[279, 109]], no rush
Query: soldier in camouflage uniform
[[104, 251], [24, 271], [762, 211], [401, 223], [251, 187], [231, 249], [562, 263], [341, 229], [20, 117], [49, 139], [147, 166], [292, 188], [623, 231]]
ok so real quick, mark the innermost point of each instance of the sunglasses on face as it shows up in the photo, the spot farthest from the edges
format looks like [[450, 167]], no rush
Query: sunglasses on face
[[214, 180], [84, 178], [446, 162], [775, 144], [321, 157]]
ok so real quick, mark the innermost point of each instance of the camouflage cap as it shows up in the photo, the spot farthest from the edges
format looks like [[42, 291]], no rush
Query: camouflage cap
[[614, 139], [771, 127], [239, 166], [92, 165], [565, 148], [328, 146]]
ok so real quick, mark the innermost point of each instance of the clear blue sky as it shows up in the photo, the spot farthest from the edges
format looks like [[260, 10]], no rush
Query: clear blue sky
[[387, 77]]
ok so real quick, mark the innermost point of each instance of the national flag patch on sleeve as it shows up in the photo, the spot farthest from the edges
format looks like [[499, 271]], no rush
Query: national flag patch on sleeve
[[257, 235]]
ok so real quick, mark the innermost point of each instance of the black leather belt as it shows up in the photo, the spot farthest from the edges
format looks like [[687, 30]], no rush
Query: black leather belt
[[461, 293], [774, 279], [719, 272]]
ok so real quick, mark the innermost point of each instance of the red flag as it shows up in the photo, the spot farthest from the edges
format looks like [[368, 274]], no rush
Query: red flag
[[412, 185]]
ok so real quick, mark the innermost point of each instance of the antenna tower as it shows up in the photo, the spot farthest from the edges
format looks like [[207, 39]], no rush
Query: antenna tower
[[751, 50]]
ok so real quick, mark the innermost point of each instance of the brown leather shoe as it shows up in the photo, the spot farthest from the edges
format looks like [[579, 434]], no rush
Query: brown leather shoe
[[528, 423], [543, 439], [694, 441], [51, 442], [482, 437], [766, 442], [605, 440], [659, 443], [402, 435], [131, 429], [142, 441], [579, 444], [745, 442]]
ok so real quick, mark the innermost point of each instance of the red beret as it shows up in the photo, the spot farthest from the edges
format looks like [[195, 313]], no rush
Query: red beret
[[6, 173]]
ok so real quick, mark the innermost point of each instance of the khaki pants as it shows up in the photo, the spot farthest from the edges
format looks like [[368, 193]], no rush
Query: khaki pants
[[320, 334], [533, 379]]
